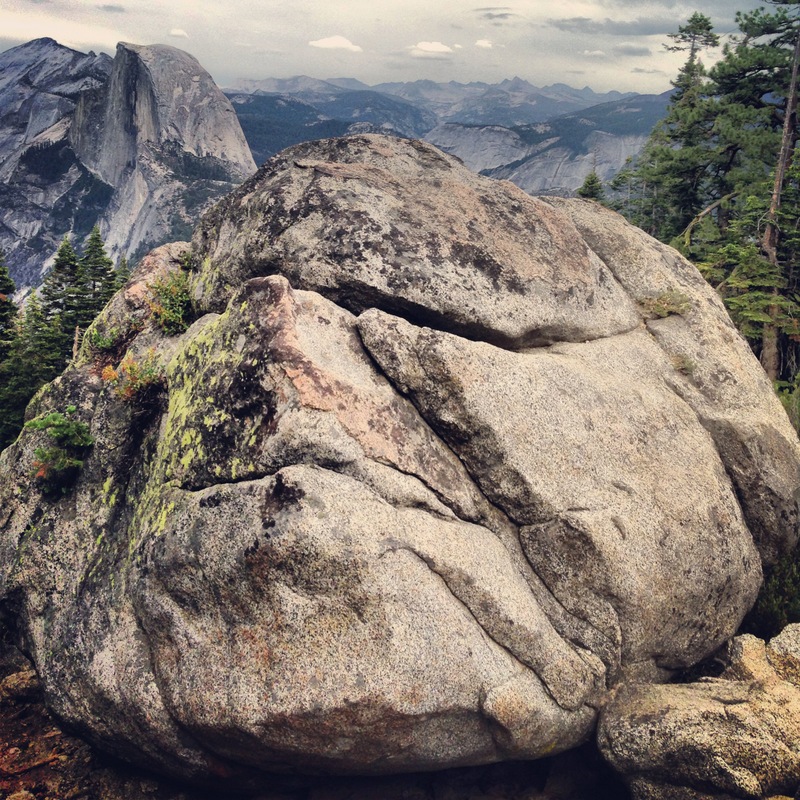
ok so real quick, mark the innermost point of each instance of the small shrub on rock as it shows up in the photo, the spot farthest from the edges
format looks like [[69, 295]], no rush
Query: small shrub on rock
[[135, 380], [171, 302], [103, 342], [667, 303], [684, 364], [57, 466]]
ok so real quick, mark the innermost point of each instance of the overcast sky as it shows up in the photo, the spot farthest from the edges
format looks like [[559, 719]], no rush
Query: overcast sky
[[605, 44]]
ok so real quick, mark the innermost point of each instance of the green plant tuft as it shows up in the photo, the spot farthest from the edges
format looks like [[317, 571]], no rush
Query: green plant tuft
[[171, 302], [136, 380], [57, 466], [667, 303], [104, 342], [684, 364]]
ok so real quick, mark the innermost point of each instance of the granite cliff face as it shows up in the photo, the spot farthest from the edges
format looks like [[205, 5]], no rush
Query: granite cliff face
[[437, 468], [554, 157], [44, 190], [140, 146]]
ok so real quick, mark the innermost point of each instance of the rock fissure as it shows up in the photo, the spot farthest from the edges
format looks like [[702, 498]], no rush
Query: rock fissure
[[589, 635], [564, 620], [484, 624]]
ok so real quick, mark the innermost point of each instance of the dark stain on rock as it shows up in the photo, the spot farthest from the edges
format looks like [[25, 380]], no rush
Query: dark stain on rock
[[469, 255]]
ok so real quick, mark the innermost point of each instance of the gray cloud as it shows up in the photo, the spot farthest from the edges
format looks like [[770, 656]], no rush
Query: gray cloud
[[638, 3], [640, 71], [639, 27], [113, 9], [496, 15], [721, 12], [627, 49]]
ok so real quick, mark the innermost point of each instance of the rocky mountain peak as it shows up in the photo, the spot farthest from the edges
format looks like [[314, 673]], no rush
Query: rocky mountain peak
[[136, 145], [159, 97], [47, 66], [190, 110]]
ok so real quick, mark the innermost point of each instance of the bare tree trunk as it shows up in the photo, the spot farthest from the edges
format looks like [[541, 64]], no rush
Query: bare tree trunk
[[76, 342], [687, 231], [770, 356]]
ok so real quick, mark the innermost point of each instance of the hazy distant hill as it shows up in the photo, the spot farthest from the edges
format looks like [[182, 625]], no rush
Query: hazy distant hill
[[566, 149], [555, 157], [271, 123], [544, 139]]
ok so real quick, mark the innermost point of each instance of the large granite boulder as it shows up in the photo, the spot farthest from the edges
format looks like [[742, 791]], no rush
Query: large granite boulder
[[437, 467]]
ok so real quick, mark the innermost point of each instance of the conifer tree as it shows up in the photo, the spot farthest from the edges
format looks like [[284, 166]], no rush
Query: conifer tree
[[757, 86], [716, 176], [677, 167], [63, 296], [121, 274], [8, 309], [31, 361], [40, 337], [98, 277], [592, 188]]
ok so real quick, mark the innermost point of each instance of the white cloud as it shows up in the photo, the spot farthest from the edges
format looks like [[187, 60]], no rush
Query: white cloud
[[178, 33], [593, 54], [336, 43], [458, 46], [485, 43], [430, 50]]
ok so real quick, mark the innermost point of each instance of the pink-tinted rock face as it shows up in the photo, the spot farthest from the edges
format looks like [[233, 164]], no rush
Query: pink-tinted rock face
[[422, 483]]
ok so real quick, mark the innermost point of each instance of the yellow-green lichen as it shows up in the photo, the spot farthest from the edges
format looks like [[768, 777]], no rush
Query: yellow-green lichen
[[109, 492]]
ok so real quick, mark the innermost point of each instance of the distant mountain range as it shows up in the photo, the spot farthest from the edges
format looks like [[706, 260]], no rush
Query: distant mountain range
[[546, 140], [510, 102]]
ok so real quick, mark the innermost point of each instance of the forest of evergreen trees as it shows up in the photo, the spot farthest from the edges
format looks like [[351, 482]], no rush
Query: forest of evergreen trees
[[38, 340], [718, 179]]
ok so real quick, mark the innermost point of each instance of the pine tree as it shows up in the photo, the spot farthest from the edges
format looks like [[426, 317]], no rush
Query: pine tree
[[757, 84], [8, 309], [41, 337], [63, 296], [716, 177], [592, 188], [98, 278], [121, 274], [32, 360], [675, 172], [697, 34]]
